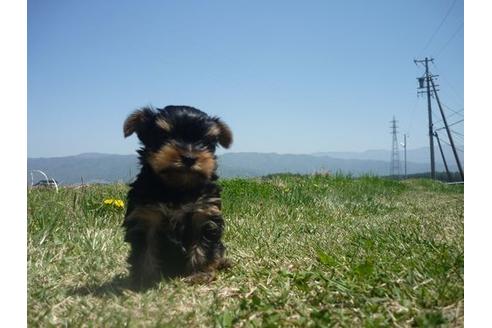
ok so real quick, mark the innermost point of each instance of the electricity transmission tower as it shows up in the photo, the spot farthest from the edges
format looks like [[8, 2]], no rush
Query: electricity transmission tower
[[395, 156]]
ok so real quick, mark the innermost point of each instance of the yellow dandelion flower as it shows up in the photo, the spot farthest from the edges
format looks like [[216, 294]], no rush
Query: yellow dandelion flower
[[115, 202], [119, 203]]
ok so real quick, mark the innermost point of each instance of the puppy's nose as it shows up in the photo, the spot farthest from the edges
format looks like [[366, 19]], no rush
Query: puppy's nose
[[188, 160]]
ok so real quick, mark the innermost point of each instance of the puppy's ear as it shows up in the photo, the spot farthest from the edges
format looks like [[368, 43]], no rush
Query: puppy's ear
[[138, 121], [223, 133]]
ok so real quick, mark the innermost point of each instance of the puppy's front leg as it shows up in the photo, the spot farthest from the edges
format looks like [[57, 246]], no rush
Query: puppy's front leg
[[206, 251], [141, 231]]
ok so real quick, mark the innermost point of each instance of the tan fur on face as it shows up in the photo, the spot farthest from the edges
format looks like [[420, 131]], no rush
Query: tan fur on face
[[205, 163], [170, 157]]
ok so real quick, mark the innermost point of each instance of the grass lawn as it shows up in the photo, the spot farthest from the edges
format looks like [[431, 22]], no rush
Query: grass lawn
[[308, 251]]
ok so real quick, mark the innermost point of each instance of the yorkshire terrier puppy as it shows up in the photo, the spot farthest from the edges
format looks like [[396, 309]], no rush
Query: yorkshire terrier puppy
[[173, 220]]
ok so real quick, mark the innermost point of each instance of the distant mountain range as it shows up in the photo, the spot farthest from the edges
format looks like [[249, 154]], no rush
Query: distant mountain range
[[106, 168], [417, 155]]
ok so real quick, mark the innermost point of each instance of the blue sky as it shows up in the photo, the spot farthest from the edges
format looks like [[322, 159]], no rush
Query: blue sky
[[287, 76]]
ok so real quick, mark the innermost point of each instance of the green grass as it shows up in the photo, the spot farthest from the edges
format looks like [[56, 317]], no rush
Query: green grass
[[307, 251]]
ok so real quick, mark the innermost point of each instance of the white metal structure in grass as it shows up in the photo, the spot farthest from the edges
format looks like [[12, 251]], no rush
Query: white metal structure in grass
[[46, 176]]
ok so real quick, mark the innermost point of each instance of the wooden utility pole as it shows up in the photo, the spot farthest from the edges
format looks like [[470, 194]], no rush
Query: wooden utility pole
[[443, 158], [460, 168], [429, 109]]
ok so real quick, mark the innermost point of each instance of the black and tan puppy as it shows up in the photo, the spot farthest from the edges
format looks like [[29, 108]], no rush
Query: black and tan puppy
[[173, 220]]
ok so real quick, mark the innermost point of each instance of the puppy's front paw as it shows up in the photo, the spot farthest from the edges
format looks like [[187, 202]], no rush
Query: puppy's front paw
[[223, 264], [200, 278]]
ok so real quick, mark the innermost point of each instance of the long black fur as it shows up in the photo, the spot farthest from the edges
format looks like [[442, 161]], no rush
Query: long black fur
[[163, 248]]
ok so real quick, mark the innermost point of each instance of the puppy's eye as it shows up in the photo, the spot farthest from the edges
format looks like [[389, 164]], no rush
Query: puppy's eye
[[210, 146], [211, 140], [201, 147], [156, 140]]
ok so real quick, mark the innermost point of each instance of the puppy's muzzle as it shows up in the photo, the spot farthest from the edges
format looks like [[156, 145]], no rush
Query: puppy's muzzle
[[188, 160]]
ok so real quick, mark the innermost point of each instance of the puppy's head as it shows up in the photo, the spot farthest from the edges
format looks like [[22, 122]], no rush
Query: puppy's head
[[179, 142]]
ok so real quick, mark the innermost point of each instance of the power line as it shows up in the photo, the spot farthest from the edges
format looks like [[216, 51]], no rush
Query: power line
[[449, 125], [412, 111], [436, 113], [456, 122], [439, 27], [447, 143], [459, 134], [456, 95], [460, 139], [459, 112], [453, 114], [450, 39]]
